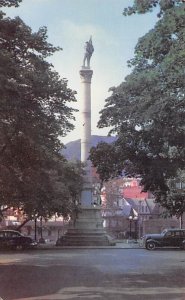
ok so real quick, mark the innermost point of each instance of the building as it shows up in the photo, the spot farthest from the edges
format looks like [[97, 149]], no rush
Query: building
[[130, 212]]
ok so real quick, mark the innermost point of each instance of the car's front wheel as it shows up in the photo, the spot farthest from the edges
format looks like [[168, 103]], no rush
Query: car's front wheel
[[150, 245]]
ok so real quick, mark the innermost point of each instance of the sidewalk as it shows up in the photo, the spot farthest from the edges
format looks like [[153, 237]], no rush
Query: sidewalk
[[120, 244]]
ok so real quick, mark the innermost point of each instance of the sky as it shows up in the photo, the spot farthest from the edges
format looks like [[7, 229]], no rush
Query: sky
[[70, 24]]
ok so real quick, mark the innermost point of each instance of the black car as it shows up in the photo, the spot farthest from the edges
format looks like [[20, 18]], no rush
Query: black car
[[168, 238], [12, 239]]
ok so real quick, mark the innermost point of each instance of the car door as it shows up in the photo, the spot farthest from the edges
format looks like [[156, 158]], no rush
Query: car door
[[13, 238], [177, 239], [182, 237], [174, 238], [167, 239], [9, 239], [2, 238]]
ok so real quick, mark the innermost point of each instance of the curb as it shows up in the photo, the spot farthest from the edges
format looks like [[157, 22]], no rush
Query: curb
[[126, 246]]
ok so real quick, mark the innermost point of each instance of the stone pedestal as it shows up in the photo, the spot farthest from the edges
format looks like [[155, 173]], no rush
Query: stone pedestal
[[87, 229]]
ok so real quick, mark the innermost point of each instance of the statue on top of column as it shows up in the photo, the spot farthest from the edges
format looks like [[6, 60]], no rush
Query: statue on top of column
[[89, 49]]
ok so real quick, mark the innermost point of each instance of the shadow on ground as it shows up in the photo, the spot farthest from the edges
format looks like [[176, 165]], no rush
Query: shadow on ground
[[74, 282]]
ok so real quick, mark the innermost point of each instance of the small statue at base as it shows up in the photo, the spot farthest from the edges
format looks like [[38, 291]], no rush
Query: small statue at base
[[89, 49]]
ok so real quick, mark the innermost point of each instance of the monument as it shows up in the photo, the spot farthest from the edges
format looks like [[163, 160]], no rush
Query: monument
[[87, 230]]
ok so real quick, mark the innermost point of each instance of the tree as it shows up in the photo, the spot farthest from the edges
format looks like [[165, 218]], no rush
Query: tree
[[147, 110], [34, 113], [174, 198], [55, 193], [105, 159], [10, 3]]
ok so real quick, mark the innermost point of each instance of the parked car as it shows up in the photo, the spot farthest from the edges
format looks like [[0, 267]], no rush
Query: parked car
[[13, 239], [168, 238]]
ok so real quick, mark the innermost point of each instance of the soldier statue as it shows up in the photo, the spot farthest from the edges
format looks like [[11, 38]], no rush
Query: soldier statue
[[89, 49]]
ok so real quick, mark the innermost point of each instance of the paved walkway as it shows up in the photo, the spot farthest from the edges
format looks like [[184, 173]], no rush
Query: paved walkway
[[119, 245]]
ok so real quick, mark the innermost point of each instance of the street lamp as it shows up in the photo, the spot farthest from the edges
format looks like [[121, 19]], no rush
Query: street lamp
[[135, 220], [130, 222], [35, 228]]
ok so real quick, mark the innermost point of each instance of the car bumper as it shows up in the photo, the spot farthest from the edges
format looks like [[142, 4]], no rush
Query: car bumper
[[33, 244]]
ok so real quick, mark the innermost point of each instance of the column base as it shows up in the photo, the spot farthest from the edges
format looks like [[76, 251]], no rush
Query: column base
[[87, 230]]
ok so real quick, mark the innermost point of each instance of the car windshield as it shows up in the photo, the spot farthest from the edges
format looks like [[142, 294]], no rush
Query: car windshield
[[164, 231]]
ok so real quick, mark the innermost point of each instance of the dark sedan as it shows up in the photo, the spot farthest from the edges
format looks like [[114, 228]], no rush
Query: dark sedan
[[168, 238], [12, 239]]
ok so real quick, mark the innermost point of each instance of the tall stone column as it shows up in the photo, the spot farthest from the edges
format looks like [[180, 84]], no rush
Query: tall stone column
[[87, 228], [86, 75]]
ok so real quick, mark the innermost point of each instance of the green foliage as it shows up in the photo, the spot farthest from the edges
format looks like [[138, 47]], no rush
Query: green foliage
[[9, 3], [105, 159], [174, 199], [55, 191], [34, 113], [147, 111], [144, 6]]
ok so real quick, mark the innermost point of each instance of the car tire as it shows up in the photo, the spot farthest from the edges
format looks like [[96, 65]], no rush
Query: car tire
[[150, 245]]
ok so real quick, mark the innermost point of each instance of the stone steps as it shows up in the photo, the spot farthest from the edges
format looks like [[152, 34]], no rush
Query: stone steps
[[90, 239]]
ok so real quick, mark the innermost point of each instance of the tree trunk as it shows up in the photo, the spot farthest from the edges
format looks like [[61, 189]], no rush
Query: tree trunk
[[180, 221], [20, 226]]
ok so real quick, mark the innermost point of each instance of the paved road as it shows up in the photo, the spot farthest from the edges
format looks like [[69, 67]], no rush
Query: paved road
[[102, 274]]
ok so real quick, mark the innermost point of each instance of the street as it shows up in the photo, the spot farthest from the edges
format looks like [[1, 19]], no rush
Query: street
[[93, 274]]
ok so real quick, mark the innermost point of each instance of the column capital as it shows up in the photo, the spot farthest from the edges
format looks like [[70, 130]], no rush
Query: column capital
[[86, 75]]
